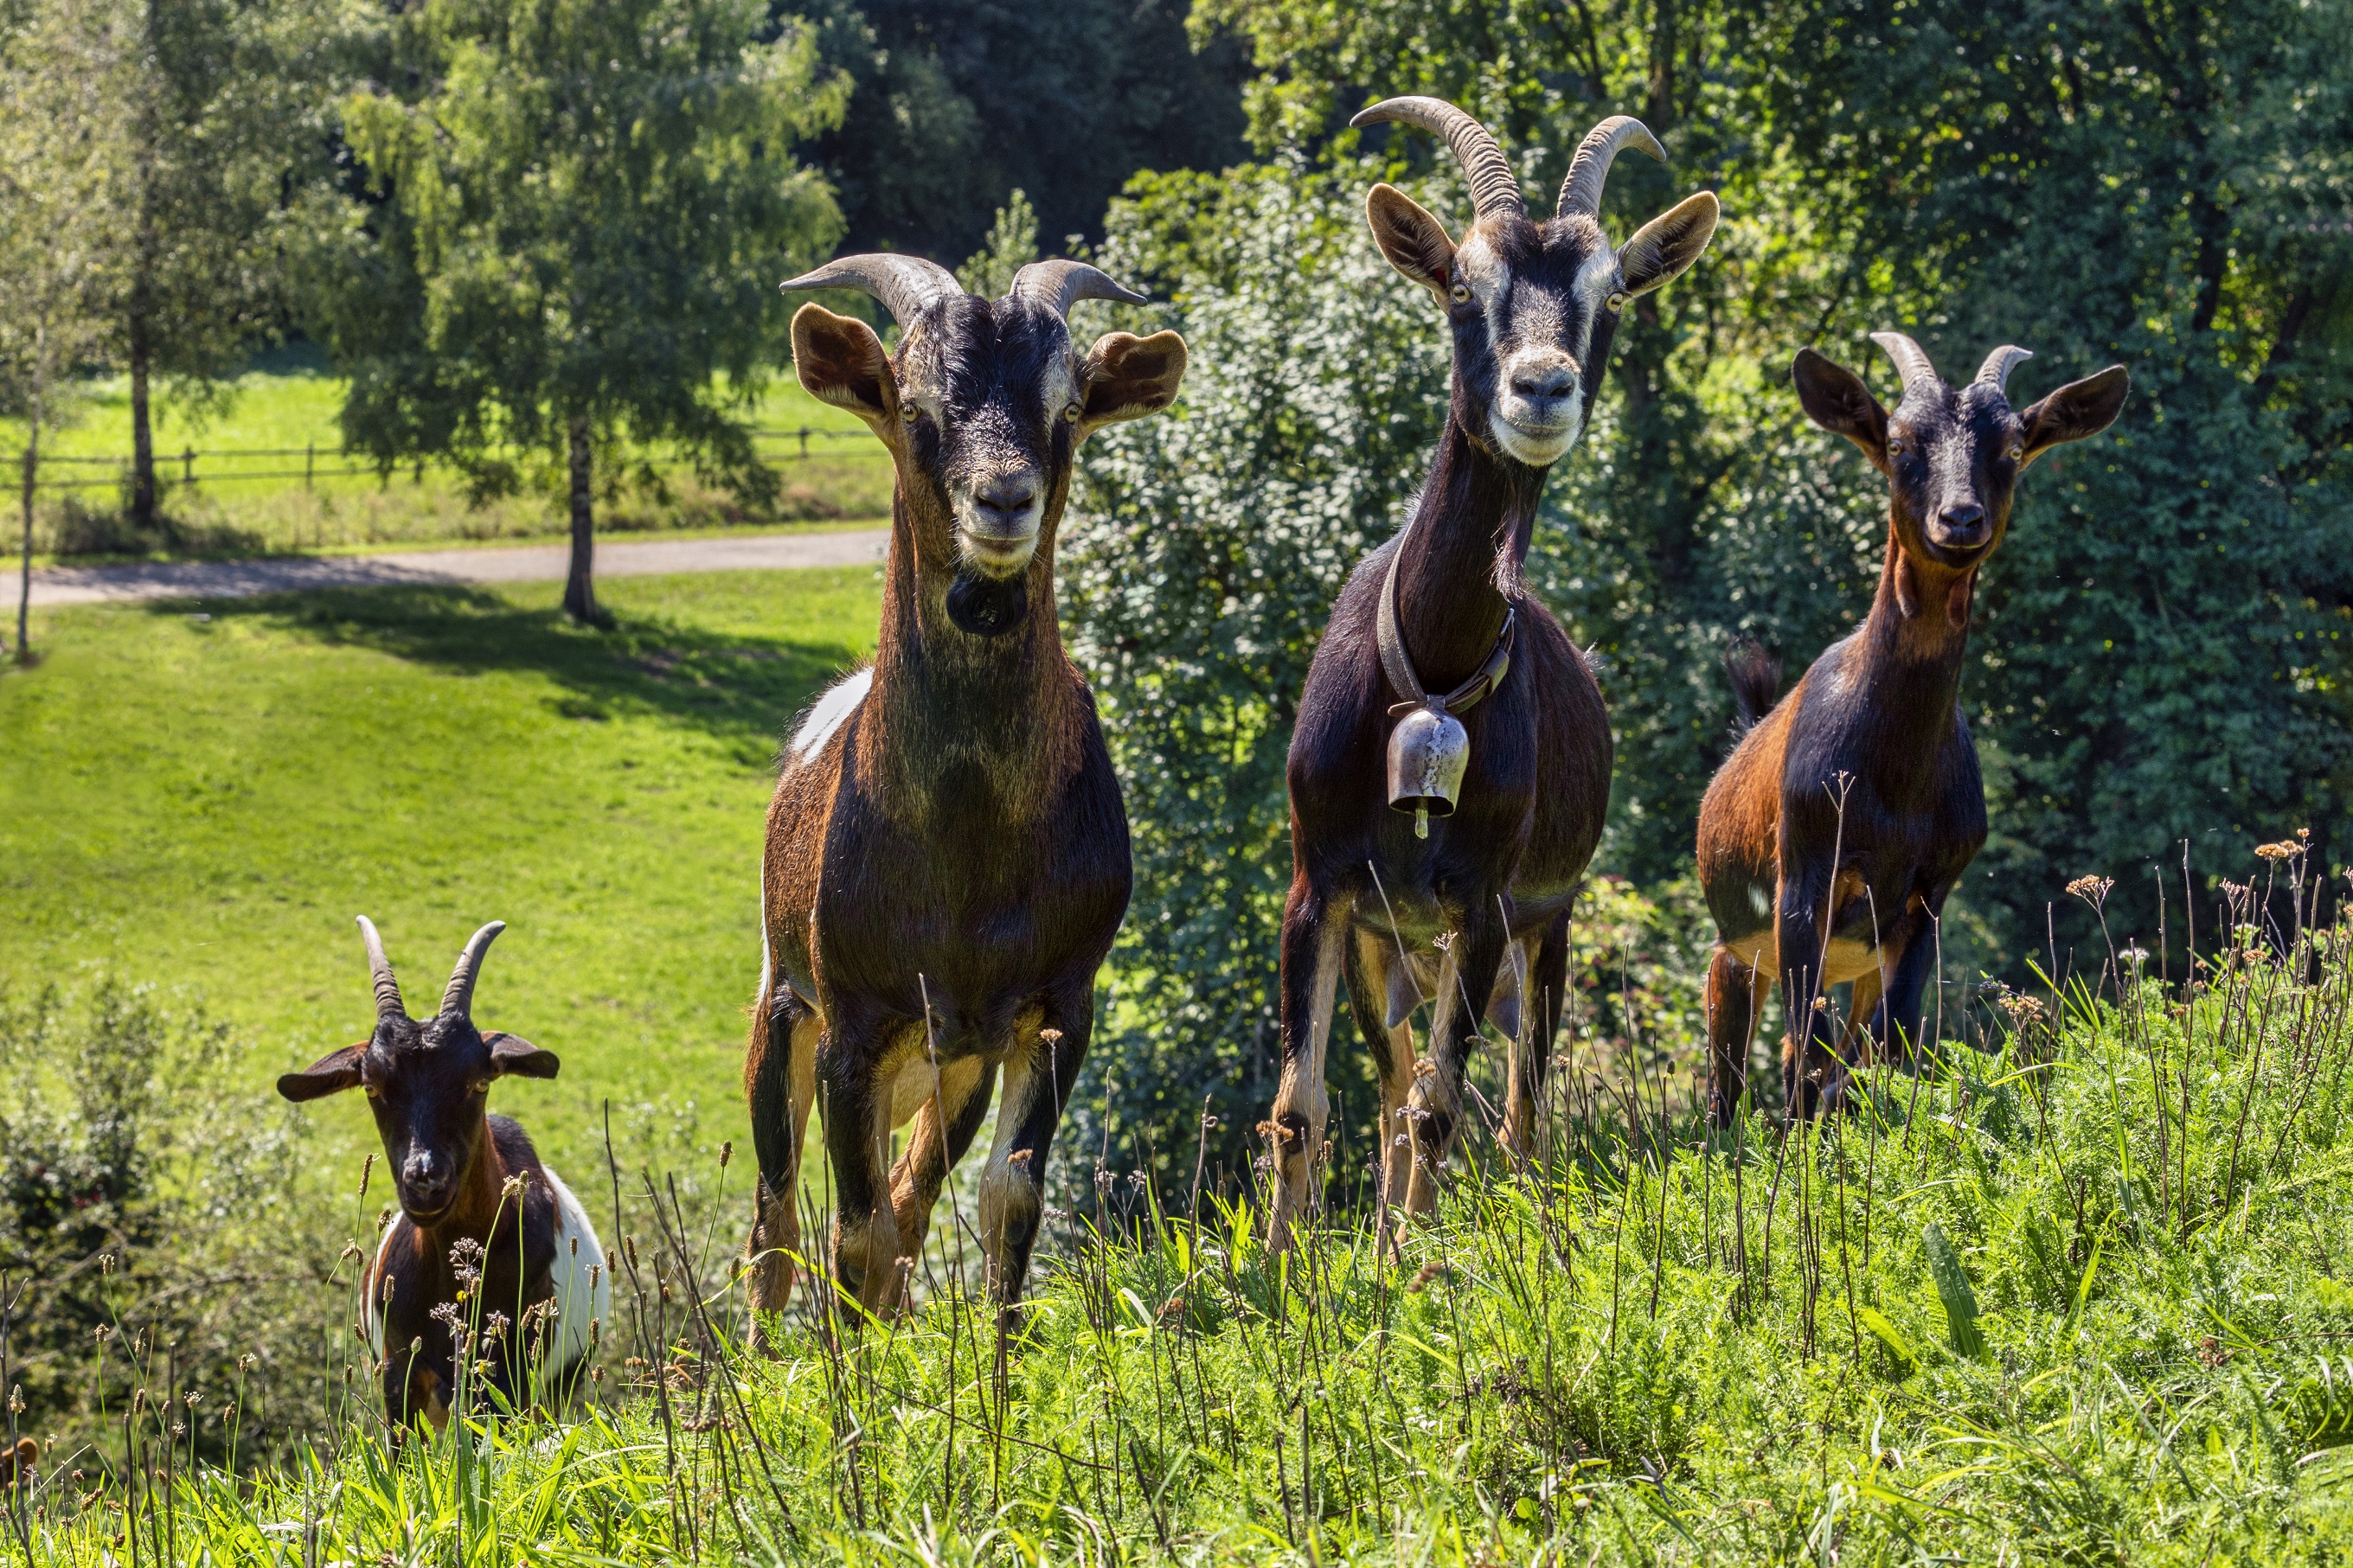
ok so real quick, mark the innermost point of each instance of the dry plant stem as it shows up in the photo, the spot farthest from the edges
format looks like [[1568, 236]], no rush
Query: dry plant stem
[[648, 1341]]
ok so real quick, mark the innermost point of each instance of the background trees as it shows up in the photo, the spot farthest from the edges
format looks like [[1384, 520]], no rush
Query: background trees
[[578, 217]]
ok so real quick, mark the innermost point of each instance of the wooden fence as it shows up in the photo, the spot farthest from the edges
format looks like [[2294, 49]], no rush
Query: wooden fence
[[337, 463]]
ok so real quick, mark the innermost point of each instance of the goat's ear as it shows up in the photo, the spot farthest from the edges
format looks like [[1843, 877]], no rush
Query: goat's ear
[[1416, 243], [1129, 377], [1835, 398], [840, 361], [1662, 247], [2078, 409], [514, 1055], [331, 1074]]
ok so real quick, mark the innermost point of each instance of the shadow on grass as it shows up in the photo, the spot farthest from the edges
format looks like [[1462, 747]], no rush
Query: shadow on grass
[[742, 690]]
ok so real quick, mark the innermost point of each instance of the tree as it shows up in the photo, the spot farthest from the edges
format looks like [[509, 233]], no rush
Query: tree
[[213, 108], [573, 229], [956, 104], [55, 215]]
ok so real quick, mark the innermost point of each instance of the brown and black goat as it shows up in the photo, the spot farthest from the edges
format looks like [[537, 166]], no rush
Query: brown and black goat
[[1831, 836], [1414, 869], [947, 854], [490, 1257]]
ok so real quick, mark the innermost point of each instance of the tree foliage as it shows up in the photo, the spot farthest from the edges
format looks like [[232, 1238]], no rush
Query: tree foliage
[[578, 215], [956, 104]]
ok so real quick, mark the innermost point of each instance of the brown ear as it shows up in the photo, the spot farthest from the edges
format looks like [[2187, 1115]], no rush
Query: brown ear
[[1835, 398], [2078, 409], [840, 361], [1668, 243], [1129, 377], [513, 1055], [331, 1074], [1416, 243]]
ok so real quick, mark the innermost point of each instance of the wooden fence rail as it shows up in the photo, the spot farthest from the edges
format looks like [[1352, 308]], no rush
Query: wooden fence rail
[[338, 462]]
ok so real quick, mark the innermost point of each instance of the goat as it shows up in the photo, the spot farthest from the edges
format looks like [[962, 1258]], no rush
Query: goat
[[1479, 857], [947, 853], [1831, 836], [484, 1228]]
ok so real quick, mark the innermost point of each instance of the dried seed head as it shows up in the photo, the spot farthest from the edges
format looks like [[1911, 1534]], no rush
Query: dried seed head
[[2285, 850], [2091, 889], [726, 1153]]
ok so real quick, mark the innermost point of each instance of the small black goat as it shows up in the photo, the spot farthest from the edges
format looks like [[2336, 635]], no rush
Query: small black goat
[[490, 1254]]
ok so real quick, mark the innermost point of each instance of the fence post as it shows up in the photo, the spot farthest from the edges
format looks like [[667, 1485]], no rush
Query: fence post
[[805, 434], [188, 465], [309, 460]]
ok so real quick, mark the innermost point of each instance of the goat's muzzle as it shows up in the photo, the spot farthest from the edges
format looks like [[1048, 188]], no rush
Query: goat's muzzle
[[998, 519]]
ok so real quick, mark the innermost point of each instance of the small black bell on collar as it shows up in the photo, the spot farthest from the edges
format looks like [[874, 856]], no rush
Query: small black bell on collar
[[1429, 751]]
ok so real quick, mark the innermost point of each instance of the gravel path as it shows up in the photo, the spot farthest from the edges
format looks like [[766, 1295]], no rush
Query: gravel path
[[530, 563]]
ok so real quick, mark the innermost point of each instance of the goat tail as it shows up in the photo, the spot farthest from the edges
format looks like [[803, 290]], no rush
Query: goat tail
[[1756, 677]]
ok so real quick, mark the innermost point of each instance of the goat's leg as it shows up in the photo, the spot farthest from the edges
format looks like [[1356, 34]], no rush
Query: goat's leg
[[942, 1130], [1314, 932], [1038, 1073], [1801, 917], [867, 1257], [1435, 1107], [1734, 992], [780, 1073], [1372, 960], [1903, 1007], [1539, 1023]]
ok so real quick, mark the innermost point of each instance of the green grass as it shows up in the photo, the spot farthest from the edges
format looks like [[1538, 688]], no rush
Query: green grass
[[203, 805], [2015, 1313], [287, 404]]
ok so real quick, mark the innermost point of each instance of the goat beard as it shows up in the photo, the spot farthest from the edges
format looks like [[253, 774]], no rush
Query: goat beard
[[988, 606]]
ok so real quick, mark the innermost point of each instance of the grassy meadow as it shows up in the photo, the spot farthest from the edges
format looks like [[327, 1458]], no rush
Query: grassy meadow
[[2077, 1298], [250, 496], [199, 796]]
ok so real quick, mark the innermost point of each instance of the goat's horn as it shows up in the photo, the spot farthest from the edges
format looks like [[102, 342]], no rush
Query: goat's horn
[[1494, 187], [1994, 372], [1059, 285], [904, 284], [1911, 359], [1581, 191], [387, 990], [460, 998]]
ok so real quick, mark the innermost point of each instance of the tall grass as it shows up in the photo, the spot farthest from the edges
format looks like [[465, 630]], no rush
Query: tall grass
[[2072, 1297]]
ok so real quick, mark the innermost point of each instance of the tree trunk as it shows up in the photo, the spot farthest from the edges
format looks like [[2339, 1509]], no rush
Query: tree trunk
[[32, 466], [142, 434], [580, 587]]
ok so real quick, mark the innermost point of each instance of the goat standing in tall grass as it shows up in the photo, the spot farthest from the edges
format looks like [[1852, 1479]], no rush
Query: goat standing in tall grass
[[1415, 868], [1830, 837], [947, 854], [491, 1259]]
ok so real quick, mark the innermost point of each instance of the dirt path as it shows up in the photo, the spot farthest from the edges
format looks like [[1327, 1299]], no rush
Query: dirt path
[[530, 563]]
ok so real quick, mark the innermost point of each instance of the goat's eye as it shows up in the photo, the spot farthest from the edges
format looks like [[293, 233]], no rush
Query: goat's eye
[[372, 1091], [2017, 450], [1073, 410], [1460, 293], [1617, 300], [907, 411], [1895, 446]]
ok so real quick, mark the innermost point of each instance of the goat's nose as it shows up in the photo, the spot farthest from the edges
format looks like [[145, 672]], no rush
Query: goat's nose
[[1008, 495], [1965, 518], [1544, 380]]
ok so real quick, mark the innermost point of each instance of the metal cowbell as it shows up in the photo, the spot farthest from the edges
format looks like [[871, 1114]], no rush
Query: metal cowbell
[[1429, 751]]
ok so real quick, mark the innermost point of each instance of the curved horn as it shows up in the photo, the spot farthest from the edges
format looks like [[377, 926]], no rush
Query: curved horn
[[387, 990], [1494, 187], [460, 998], [904, 284], [1911, 359], [1581, 191], [1994, 372], [1059, 285]]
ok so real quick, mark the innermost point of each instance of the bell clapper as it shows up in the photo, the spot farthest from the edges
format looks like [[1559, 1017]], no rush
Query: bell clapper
[[1421, 822]]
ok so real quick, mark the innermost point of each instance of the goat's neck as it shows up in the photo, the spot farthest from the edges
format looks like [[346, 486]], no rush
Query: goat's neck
[[945, 703], [1461, 555], [1912, 645]]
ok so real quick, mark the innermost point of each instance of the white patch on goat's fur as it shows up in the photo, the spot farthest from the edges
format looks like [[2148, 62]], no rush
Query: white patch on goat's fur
[[767, 957], [1489, 278], [584, 1284], [826, 715]]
